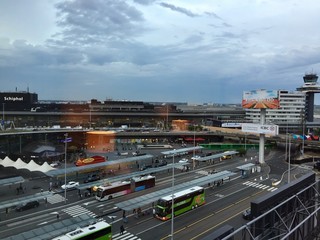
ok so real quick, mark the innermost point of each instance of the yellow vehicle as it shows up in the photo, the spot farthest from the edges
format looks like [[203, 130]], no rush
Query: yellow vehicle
[[226, 157]]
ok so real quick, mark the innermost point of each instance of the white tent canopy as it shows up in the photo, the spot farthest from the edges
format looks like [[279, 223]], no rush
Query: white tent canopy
[[31, 166]]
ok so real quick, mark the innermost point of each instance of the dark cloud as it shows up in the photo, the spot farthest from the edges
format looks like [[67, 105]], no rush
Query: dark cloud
[[93, 21], [178, 9]]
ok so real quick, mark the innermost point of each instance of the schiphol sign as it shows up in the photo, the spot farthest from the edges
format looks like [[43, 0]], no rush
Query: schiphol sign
[[260, 129]]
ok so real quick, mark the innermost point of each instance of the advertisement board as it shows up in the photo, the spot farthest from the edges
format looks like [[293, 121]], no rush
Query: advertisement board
[[260, 129], [259, 99]]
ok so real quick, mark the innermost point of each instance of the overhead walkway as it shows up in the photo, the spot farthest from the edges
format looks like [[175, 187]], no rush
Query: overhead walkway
[[153, 197]]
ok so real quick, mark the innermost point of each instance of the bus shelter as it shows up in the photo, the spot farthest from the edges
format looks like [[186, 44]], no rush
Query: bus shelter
[[213, 157], [54, 229], [178, 152], [149, 171], [144, 200], [17, 201], [247, 169], [92, 167], [11, 180]]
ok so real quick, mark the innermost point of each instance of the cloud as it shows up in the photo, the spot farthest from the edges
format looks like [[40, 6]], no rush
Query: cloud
[[178, 9], [194, 51], [94, 21]]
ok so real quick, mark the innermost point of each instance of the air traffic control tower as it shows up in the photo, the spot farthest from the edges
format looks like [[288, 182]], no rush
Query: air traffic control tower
[[310, 87]]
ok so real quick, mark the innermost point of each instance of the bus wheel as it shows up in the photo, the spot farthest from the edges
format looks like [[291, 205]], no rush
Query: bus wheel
[[110, 197]]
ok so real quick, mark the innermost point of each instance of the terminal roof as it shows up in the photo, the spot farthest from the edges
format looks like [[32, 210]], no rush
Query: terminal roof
[[154, 196]]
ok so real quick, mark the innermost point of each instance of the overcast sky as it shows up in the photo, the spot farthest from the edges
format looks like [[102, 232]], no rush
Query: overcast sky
[[195, 51]]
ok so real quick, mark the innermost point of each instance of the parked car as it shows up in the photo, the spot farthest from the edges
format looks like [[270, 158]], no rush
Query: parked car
[[183, 160], [70, 185], [27, 205], [247, 214], [92, 178]]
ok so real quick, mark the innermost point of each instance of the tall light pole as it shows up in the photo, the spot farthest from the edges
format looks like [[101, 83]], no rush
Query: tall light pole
[[194, 145], [65, 167], [172, 197]]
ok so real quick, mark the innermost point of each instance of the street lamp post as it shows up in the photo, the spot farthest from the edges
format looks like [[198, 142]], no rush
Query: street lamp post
[[65, 167], [172, 197], [3, 116]]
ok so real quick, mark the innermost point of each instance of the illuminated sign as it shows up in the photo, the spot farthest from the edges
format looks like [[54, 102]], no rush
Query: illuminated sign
[[261, 99], [13, 99], [260, 129]]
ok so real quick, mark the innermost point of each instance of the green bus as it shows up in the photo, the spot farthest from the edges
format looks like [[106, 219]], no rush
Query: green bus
[[183, 201], [99, 231]]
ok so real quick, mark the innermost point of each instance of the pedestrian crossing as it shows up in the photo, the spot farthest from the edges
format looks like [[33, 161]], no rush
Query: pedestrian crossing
[[56, 198], [126, 235], [78, 210], [260, 186]]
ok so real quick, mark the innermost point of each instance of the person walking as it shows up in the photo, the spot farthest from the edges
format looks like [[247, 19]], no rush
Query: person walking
[[121, 229]]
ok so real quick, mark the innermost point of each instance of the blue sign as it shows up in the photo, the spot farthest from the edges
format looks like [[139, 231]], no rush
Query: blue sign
[[66, 140]]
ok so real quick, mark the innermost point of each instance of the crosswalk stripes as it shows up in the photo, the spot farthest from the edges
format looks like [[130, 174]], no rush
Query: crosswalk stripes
[[78, 210], [56, 198], [126, 235], [260, 186]]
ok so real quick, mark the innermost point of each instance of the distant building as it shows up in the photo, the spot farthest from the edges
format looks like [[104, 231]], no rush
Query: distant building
[[17, 101]]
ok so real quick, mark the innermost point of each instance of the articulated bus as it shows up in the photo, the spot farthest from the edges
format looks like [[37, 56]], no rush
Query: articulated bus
[[117, 189], [98, 230], [183, 201]]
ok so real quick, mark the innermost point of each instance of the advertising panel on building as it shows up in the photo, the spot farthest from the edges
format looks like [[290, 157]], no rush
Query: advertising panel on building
[[272, 130], [260, 99]]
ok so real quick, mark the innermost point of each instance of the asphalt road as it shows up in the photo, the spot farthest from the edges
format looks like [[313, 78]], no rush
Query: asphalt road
[[224, 204]]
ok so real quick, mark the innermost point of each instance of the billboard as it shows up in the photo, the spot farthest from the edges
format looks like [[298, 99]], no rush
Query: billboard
[[261, 129], [261, 99]]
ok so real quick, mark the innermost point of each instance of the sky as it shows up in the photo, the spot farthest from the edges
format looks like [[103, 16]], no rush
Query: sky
[[194, 51]]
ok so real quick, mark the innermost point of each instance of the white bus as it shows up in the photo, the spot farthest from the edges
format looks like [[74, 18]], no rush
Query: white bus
[[117, 189]]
